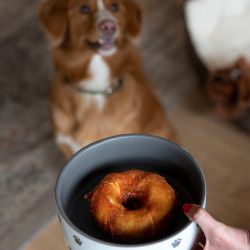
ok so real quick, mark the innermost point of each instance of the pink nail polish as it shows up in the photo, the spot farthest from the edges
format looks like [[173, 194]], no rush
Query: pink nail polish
[[186, 207]]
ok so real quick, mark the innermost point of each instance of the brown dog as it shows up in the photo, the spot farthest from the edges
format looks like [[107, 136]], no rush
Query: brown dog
[[99, 89]]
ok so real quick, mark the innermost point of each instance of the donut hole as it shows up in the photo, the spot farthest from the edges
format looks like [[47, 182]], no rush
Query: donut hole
[[133, 203]]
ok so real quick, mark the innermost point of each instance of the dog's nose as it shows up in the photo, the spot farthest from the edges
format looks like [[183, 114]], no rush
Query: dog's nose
[[108, 28]]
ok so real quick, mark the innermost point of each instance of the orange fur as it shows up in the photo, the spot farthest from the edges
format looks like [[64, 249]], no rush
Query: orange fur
[[85, 118]]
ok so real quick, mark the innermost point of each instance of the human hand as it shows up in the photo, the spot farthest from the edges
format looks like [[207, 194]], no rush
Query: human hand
[[218, 235]]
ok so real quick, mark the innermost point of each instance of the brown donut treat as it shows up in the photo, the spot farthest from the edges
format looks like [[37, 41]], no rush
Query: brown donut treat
[[133, 205]]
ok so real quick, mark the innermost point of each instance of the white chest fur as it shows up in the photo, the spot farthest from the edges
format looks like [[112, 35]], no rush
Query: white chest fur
[[99, 79]]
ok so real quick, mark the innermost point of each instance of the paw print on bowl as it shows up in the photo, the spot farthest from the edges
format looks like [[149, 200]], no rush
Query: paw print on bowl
[[77, 240], [176, 243]]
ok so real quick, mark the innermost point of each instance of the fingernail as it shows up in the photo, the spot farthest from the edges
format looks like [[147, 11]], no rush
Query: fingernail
[[186, 207]]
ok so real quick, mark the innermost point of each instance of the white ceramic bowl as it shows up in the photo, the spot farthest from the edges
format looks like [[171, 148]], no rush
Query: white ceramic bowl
[[120, 153]]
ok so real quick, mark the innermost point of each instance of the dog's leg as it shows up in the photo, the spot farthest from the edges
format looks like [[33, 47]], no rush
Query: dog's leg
[[64, 125], [67, 145]]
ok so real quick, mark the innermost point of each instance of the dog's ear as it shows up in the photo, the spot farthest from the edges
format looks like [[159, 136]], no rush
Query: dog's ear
[[53, 17], [134, 18]]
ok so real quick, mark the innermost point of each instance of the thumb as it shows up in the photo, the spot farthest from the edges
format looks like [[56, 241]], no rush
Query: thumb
[[217, 234], [199, 215]]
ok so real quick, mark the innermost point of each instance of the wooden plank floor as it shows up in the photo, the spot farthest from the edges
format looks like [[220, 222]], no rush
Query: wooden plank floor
[[223, 151], [50, 238]]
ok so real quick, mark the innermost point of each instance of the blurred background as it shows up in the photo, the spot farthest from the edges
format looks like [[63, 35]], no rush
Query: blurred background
[[29, 159]]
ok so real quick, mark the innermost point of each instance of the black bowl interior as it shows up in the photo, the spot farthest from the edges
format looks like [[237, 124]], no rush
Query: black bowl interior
[[87, 168]]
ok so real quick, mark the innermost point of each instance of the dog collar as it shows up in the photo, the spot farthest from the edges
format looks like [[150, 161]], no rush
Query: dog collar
[[116, 86]]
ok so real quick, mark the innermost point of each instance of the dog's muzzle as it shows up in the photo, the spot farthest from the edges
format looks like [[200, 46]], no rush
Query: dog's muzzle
[[107, 31]]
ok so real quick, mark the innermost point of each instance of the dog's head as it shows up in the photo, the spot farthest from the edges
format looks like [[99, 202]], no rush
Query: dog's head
[[103, 25]]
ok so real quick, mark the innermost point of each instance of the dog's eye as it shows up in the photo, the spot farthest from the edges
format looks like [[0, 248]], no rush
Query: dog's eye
[[114, 7], [85, 9]]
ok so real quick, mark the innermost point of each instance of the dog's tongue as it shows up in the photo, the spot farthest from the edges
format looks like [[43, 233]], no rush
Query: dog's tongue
[[106, 44]]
